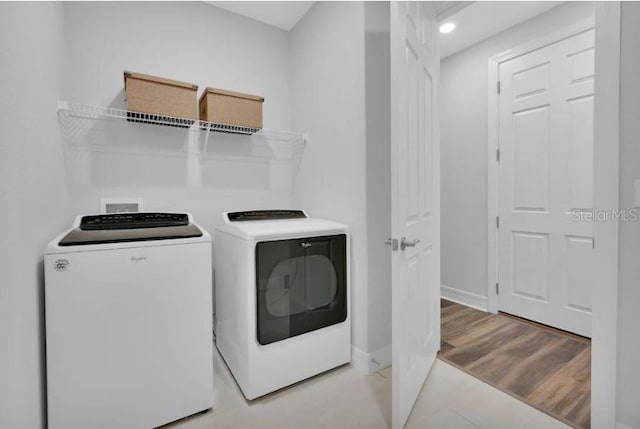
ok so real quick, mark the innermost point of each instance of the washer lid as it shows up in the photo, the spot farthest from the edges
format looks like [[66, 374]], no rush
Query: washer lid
[[79, 237], [93, 231], [279, 226]]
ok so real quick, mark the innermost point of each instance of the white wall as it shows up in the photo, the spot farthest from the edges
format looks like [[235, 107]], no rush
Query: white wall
[[328, 101], [628, 382], [189, 41], [378, 176], [78, 52], [33, 199], [463, 98]]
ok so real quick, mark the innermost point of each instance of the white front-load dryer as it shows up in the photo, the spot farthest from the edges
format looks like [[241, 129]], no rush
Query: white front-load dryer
[[282, 297]]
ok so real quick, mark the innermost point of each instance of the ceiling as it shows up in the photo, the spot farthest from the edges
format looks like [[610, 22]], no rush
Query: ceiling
[[475, 20], [282, 14], [448, 8], [482, 19]]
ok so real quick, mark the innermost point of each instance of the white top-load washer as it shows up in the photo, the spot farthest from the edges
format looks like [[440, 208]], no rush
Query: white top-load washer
[[282, 297], [128, 321]]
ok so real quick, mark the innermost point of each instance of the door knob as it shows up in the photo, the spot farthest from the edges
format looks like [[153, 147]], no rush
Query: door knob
[[404, 243]]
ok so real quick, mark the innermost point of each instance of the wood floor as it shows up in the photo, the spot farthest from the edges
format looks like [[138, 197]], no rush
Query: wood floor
[[546, 368]]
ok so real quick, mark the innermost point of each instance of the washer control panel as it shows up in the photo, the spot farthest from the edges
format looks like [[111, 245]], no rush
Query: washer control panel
[[265, 215], [133, 220]]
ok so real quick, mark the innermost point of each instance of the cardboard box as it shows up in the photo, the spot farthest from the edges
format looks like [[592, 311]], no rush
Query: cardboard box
[[231, 108], [160, 96]]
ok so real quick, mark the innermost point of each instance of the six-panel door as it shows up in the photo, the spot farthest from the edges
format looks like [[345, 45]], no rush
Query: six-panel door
[[545, 184]]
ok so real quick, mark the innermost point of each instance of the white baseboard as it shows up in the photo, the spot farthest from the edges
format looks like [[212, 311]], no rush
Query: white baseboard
[[368, 363], [359, 360], [463, 297], [620, 425]]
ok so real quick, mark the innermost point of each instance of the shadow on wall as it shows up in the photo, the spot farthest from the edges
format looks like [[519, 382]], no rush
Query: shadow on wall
[[115, 153], [42, 341], [120, 101]]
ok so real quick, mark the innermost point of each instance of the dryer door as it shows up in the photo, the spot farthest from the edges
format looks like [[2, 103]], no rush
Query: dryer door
[[301, 286]]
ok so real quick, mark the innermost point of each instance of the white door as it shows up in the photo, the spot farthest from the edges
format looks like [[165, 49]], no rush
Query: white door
[[546, 184], [415, 68]]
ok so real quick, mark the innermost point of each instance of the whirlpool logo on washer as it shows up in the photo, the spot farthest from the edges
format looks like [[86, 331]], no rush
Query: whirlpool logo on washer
[[137, 259], [61, 264]]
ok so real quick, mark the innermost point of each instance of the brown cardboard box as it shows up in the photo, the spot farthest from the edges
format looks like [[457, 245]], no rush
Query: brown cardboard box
[[231, 108], [151, 94]]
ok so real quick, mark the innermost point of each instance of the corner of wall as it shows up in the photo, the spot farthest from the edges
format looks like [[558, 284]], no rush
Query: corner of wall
[[620, 425], [327, 100], [368, 363], [32, 184], [464, 297], [377, 102]]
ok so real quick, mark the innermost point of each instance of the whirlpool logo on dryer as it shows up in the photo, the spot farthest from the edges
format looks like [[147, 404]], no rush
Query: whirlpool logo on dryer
[[137, 259]]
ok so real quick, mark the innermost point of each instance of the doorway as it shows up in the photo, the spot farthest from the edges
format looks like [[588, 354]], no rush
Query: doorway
[[462, 120], [538, 172]]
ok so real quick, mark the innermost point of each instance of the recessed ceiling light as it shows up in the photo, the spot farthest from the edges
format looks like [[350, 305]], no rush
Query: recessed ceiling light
[[447, 27]]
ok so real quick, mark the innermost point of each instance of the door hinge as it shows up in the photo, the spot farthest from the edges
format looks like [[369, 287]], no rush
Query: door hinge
[[497, 221], [497, 288], [498, 87], [498, 155], [393, 242]]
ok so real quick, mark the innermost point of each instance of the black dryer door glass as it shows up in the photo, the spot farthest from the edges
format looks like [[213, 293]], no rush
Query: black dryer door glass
[[301, 286]]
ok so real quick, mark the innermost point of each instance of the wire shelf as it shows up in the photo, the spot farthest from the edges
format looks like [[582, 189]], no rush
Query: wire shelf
[[103, 135], [73, 110]]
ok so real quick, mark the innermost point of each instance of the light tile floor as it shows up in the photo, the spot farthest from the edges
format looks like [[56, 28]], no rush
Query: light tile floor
[[344, 398]]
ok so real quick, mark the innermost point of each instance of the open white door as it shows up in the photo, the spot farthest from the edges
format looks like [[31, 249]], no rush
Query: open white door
[[415, 181]]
